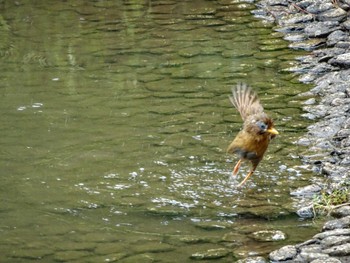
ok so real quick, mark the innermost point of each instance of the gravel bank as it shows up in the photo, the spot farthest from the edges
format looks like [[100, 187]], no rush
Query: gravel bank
[[323, 28]]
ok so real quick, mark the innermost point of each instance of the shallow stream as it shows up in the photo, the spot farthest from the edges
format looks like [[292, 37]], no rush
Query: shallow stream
[[115, 122]]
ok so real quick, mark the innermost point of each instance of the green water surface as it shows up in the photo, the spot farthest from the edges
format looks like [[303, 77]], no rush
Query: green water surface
[[115, 120]]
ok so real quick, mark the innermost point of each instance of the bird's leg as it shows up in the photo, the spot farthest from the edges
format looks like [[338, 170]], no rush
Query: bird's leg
[[237, 166], [248, 175]]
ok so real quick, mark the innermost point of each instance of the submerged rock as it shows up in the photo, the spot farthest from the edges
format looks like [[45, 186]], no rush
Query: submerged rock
[[211, 254], [269, 235]]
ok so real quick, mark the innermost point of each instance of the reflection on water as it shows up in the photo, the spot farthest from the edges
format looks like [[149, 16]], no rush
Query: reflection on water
[[115, 121]]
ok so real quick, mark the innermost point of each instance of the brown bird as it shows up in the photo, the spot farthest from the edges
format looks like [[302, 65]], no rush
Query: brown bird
[[258, 129]]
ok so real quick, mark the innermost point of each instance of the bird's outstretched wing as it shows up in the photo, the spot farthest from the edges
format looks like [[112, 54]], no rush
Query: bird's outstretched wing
[[245, 100]]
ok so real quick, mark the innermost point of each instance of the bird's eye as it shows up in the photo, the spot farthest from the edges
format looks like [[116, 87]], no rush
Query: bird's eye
[[262, 125]]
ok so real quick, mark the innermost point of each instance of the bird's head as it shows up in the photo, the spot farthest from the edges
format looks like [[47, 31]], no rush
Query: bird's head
[[260, 124]]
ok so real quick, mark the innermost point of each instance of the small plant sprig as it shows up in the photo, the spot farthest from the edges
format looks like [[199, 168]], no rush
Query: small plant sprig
[[327, 201]]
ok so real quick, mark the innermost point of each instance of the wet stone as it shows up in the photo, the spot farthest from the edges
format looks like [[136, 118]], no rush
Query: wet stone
[[310, 256], [299, 28], [284, 253], [342, 60], [306, 212], [211, 225], [269, 235], [326, 260], [337, 36], [308, 190], [319, 6], [294, 37], [252, 260], [337, 223], [337, 14], [334, 241], [341, 211], [336, 232], [321, 29], [310, 101], [211, 254], [311, 248], [273, 47], [341, 250], [346, 24], [307, 78], [296, 18], [308, 45], [164, 211]]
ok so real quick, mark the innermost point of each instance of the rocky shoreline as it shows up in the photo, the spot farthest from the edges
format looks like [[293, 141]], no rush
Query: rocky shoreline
[[323, 28]]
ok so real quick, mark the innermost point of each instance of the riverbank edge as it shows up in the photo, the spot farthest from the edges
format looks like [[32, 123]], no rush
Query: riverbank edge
[[321, 27]]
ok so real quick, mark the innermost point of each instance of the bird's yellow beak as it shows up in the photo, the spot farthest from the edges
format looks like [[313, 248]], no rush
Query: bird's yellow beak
[[272, 131]]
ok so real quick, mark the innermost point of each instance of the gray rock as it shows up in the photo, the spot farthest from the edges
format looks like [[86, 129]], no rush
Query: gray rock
[[337, 36], [341, 250], [321, 29], [334, 241], [343, 44], [325, 129], [326, 260], [306, 212], [321, 68], [305, 3], [308, 45], [307, 242], [294, 37], [296, 18], [319, 6], [307, 78], [284, 253], [341, 211], [342, 60], [211, 254], [310, 101], [346, 24], [310, 256], [291, 29], [252, 260], [336, 232], [308, 190], [337, 223], [269, 235], [336, 14], [311, 248]]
